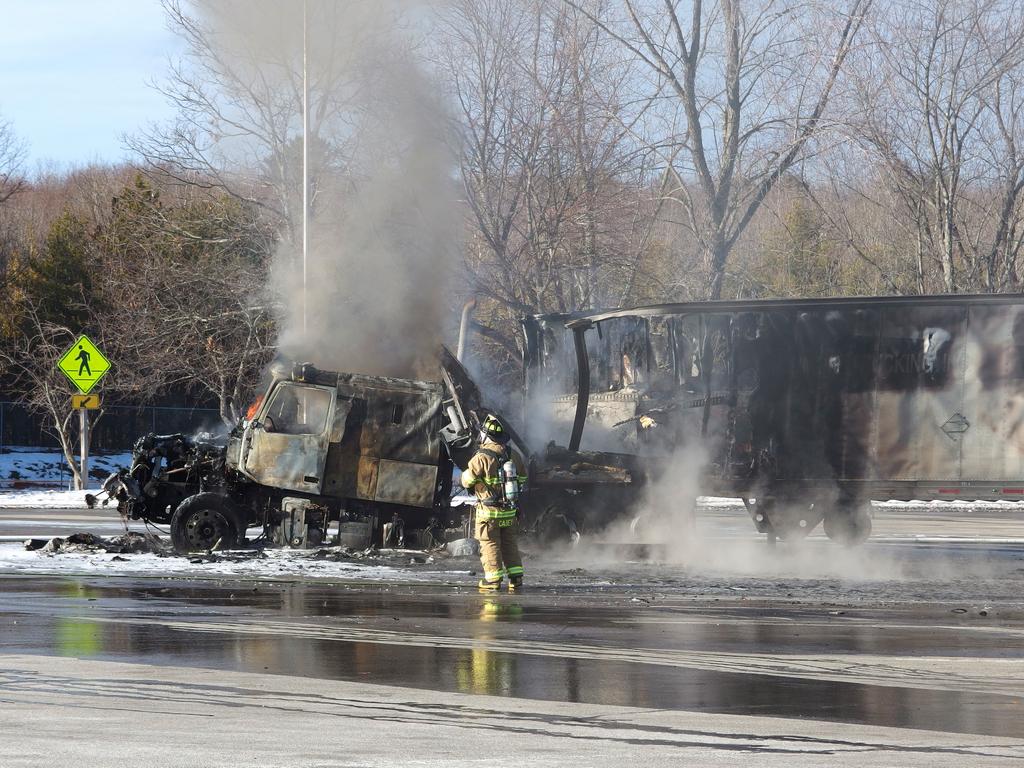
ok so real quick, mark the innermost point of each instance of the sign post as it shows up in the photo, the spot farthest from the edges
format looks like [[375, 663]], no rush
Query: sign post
[[84, 365], [83, 435]]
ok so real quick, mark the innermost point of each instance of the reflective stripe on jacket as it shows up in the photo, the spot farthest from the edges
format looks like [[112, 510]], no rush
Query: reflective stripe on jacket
[[481, 477]]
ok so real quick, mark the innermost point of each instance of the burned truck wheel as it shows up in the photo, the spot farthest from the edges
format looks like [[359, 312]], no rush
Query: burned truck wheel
[[794, 520], [557, 527], [785, 518], [849, 526], [205, 521]]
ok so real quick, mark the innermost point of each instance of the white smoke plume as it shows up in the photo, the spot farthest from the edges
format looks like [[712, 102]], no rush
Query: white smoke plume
[[677, 529], [383, 231]]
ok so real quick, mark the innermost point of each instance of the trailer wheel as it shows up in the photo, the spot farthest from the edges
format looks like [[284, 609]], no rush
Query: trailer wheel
[[205, 521], [797, 519], [849, 527]]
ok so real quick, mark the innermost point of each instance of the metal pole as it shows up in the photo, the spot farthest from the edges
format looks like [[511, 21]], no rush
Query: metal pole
[[305, 166], [83, 430], [467, 311]]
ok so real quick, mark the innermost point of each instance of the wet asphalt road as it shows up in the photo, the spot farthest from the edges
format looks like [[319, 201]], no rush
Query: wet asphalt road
[[896, 666], [921, 664]]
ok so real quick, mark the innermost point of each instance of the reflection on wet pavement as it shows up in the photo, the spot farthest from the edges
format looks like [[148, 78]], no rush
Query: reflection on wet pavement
[[875, 667]]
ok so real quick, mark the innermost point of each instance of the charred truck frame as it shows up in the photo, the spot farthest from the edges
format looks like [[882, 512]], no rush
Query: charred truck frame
[[805, 409], [373, 453]]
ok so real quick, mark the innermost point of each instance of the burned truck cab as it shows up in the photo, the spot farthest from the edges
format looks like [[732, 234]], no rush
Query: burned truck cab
[[374, 454], [284, 445], [324, 446]]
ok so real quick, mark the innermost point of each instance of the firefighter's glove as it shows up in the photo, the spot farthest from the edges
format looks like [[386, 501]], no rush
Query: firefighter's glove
[[646, 422]]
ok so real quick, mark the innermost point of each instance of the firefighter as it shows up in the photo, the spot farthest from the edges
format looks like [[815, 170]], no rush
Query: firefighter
[[495, 475]]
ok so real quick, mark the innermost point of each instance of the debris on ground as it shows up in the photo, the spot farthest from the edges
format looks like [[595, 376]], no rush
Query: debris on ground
[[228, 556], [133, 543], [379, 556], [130, 543], [463, 548], [342, 554]]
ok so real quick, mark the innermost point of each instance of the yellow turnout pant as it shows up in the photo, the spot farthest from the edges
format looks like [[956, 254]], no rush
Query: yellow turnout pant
[[499, 548]]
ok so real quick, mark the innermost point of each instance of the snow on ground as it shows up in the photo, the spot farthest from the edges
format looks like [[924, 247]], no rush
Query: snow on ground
[[31, 466], [1001, 504], [43, 499], [273, 565], [52, 499]]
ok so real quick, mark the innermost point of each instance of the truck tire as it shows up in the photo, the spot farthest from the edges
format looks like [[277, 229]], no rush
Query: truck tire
[[205, 521], [849, 527], [794, 520], [556, 526]]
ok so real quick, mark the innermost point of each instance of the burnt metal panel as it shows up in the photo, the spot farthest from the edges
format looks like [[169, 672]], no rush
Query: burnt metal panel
[[287, 461], [853, 444], [549, 373], [990, 430], [342, 408], [341, 474], [384, 422], [919, 386], [401, 482], [401, 426], [366, 483]]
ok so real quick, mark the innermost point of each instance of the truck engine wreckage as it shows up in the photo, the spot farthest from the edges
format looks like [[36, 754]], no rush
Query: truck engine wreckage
[[806, 410]]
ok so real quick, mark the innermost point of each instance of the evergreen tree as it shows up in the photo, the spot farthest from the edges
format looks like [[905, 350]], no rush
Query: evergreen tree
[[55, 279]]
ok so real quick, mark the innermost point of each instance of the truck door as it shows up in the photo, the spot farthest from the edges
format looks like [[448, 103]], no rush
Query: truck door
[[287, 443], [464, 395]]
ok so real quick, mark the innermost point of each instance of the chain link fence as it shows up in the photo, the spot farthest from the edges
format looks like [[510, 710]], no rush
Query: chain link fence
[[116, 430]]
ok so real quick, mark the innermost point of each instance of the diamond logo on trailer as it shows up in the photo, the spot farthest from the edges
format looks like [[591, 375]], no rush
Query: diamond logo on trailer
[[84, 364]]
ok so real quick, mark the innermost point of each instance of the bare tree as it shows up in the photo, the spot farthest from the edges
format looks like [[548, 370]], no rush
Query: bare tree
[[30, 359], [182, 292], [750, 84], [1002, 201], [552, 178], [12, 160], [943, 112], [238, 93]]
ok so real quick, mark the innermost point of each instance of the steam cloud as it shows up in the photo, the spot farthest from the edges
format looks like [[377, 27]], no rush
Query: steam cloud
[[383, 221]]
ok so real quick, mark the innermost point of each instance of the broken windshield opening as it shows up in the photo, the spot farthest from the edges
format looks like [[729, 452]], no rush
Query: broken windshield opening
[[297, 410]]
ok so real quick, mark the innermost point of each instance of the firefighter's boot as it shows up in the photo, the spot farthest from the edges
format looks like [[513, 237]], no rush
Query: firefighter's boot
[[515, 584], [489, 586]]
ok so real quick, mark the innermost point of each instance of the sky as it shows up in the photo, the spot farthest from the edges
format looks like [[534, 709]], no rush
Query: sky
[[75, 76]]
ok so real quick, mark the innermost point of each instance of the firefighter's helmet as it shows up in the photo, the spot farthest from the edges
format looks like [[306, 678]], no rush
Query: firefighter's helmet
[[492, 429]]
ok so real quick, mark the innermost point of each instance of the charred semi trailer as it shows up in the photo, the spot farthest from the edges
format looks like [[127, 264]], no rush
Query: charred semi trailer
[[373, 453], [805, 409]]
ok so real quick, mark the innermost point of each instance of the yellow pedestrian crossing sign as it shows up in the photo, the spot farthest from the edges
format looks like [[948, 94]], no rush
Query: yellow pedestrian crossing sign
[[84, 364]]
